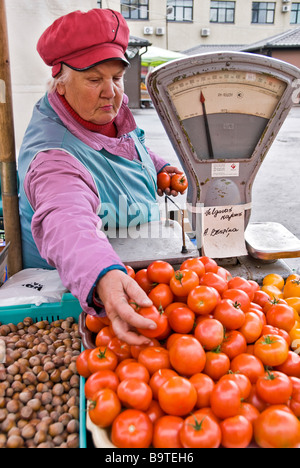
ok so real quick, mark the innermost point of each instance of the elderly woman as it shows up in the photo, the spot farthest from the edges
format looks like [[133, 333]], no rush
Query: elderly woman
[[81, 157]]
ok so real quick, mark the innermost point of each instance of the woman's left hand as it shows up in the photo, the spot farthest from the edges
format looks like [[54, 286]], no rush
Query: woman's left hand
[[171, 170]]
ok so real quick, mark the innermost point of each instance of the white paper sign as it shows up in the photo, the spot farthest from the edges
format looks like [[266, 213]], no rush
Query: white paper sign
[[223, 229]]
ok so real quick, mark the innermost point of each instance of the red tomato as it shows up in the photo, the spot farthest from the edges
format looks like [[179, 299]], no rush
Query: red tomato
[[141, 277], [209, 263], [154, 411], [277, 428], [261, 298], [160, 271], [203, 299], [154, 358], [270, 330], [234, 343], [132, 429], [120, 348], [210, 333], [236, 432], [249, 411], [166, 432], [179, 183], [135, 393], [249, 365], [187, 355], [158, 378], [105, 408], [158, 317], [104, 336], [174, 305], [181, 320], [130, 271], [161, 296], [93, 323], [217, 364], [225, 274], [98, 380], [272, 350], [274, 388], [214, 280], [200, 432], [183, 281], [242, 382], [291, 365], [193, 264], [281, 316], [230, 314], [163, 180], [177, 396], [252, 327], [204, 386], [239, 297], [136, 349], [102, 358], [82, 364], [225, 399], [294, 403], [133, 370], [240, 283], [254, 400]]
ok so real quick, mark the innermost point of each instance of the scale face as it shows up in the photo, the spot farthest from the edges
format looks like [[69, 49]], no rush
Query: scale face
[[222, 111]]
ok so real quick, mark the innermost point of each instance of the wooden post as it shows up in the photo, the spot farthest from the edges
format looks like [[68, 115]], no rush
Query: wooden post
[[7, 155]]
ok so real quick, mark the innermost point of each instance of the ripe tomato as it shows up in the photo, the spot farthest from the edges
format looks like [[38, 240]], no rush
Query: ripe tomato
[[209, 263], [210, 333], [177, 396], [104, 336], [203, 299], [120, 348], [254, 400], [249, 411], [136, 349], [102, 358], [179, 183], [234, 343], [193, 264], [225, 399], [292, 288], [200, 432], [105, 408], [98, 380], [204, 386], [132, 429], [272, 350], [82, 364], [187, 355], [238, 296], [294, 302], [274, 388], [173, 305], [272, 291], [160, 271], [230, 314], [242, 382], [217, 364], [158, 378], [273, 279], [141, 277], [273, 301], [154, 358], [252, 327], [224, 273], [93, 323], [135, 393], [281, 316], [130, 271], [291, 365], [158, 317], [269, 330], [277, 428], [163, 180], [214, 280], [154, 411], [294, 403], [261, 298], [161, 296], [183, 281], [166, 432], [236, 432], [131, 369], [237, 282], [249, 365], [181, 320]]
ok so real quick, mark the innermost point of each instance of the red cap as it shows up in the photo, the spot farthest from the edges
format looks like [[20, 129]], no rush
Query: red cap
[[81, 40]]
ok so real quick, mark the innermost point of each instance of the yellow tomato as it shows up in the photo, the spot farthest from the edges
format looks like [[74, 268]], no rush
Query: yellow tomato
[[273, 279], [294, 302], [293, 276], [292, 288], [272, 291]]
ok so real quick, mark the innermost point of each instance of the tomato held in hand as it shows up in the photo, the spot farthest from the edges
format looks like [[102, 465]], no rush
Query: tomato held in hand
[[179, 182], [158, 316], [163, 180]]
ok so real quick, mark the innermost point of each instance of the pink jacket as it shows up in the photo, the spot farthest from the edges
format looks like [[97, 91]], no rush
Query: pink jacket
[[65, 225]]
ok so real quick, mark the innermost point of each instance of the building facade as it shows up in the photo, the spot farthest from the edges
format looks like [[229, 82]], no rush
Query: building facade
[[181, 24]]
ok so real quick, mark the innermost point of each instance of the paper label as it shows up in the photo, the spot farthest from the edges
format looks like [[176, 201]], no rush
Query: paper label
[[223, 229], [231, 169]]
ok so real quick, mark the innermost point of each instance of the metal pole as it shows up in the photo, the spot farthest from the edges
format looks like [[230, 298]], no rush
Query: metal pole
[[7, 155]]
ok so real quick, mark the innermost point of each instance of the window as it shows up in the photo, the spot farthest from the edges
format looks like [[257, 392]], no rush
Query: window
[[222, 12], [295, 13], [99, 3], [182, 10], [263, 12], [135, 9]]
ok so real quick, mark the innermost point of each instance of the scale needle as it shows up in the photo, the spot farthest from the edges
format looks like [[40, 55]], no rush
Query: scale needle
[[210, 148]]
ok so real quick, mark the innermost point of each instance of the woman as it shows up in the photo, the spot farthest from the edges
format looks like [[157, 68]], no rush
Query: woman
[[81, 156]]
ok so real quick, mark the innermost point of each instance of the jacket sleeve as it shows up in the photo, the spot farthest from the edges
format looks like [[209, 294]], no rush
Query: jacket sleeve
[[65, 224]]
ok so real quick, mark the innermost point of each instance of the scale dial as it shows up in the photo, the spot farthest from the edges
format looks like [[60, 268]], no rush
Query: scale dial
[[224, 113]]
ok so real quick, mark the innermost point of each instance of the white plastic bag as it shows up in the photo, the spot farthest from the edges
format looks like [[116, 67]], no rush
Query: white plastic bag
[[32, 286]]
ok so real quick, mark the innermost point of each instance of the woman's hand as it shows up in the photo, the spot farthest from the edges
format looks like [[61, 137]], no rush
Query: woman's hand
[[171, 170], [114, 289]]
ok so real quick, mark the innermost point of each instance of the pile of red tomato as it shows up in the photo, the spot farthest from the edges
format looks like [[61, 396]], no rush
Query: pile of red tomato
[[222, 368]]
